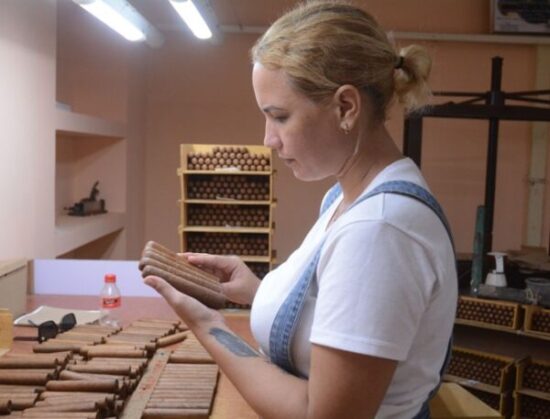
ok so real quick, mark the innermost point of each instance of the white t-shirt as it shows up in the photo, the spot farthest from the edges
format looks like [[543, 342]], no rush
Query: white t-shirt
[[385, 286]]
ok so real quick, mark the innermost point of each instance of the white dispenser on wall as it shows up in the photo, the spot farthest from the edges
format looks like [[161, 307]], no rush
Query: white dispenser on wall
[[497, 278]]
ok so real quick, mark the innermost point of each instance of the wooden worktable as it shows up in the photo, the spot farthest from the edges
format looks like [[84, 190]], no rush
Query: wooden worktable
[[228, 403], [452, 401]]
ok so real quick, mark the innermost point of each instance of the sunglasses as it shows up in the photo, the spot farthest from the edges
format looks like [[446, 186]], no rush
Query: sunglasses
[[50, 329]]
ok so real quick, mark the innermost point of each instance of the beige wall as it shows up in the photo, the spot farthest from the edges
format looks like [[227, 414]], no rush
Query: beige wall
[[27, 141]]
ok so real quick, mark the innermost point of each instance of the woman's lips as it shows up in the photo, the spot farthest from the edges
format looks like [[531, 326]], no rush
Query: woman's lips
[[288, 162]]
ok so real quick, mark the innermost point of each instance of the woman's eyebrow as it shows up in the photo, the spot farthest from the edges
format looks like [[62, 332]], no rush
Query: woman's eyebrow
[[271, 108]]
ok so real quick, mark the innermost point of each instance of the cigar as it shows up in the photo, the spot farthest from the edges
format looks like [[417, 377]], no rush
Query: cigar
[[171, 339], [106, 351], [79, 406], [144, 332], [205, 295], [24, 377], [54, 397], [5, 406], [16, 389], [178, 404], [175, 413], [23, 362], [153, 248], [102, 369], [129, 337], [20, 402], [47, 347], [101, 386], [73, 375], [80, 337], [180, 267], [40, 414]]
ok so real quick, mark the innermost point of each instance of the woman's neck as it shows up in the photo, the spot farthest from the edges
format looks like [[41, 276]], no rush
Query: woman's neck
[[376, 151]]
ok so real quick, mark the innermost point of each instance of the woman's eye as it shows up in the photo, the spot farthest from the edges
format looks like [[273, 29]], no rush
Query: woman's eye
[[281, 118]]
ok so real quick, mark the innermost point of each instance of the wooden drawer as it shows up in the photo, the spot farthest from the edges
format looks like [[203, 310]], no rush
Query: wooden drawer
[[480, 370], [537, 321], [225, 158], [502, 403], [500, 315], [533, 375], [530, 407]]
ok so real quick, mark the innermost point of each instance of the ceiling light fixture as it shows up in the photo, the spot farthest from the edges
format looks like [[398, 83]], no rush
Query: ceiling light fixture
[[192, 17], [120, 16]]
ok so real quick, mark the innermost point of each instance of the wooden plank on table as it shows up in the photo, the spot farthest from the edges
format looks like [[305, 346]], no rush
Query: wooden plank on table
[[141, 395]]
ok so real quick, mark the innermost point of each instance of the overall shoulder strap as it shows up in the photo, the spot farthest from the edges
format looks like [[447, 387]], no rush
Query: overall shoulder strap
[[412, 190], [331, 196]]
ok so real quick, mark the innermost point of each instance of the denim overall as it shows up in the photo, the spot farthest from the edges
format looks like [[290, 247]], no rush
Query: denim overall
[[287, 318]]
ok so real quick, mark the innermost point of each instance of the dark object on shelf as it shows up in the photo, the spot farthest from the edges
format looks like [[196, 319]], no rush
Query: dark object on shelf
[[491, 106], [502, 293], [90, 205]]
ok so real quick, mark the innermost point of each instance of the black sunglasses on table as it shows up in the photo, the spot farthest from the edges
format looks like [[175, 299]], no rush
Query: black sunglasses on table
[[50, 329]]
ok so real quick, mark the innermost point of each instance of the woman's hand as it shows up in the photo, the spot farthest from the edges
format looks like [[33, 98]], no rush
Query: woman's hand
[[189, 309], [239, 284]]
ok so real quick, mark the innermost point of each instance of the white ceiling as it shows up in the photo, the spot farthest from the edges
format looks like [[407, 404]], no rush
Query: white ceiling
[[228, 13]]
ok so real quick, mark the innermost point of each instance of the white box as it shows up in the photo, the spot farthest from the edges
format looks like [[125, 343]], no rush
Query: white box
[[13, 286]]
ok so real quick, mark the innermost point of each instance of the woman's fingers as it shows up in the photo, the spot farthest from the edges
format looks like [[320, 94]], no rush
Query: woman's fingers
[[167, 291], [221, 266]]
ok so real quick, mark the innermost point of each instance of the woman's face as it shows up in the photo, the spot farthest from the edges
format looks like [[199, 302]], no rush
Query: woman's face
[[306, 135]]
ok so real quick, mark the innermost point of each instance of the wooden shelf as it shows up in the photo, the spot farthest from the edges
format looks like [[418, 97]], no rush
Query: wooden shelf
[[486, 326], [220, 229], [74, 232], [258, 259], [534, 393], [223, 172], [84, 125], [225, 201], [472, 384]]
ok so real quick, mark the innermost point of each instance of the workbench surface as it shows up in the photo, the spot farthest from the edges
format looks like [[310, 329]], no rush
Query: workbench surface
[[228, 403]]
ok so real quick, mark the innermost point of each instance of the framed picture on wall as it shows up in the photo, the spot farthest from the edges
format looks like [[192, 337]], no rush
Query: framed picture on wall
[[521, 16]]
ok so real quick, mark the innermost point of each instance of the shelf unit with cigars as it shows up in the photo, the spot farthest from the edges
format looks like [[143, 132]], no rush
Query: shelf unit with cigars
[[488, 332], [227, 202]]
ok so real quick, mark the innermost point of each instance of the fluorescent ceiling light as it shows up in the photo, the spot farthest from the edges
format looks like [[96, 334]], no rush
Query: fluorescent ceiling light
[[192, 17], [120, 16]]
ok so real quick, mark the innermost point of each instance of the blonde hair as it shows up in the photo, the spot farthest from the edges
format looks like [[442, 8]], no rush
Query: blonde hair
[[322, 45]]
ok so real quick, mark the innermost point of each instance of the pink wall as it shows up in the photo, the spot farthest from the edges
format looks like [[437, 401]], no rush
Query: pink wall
[[193, 92], [27, 118], [202, 94], [101, 74]]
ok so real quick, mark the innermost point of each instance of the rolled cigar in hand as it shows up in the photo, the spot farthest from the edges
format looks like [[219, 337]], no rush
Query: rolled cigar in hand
[[159, 261]]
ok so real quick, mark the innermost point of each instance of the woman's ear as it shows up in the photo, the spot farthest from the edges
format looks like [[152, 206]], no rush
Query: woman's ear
[[347, 100]]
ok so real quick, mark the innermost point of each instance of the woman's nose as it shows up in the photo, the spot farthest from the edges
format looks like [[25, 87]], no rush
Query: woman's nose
[[271, 139]]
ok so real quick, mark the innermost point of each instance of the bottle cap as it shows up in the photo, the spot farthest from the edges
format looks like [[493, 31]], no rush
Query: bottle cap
[[110, 278]]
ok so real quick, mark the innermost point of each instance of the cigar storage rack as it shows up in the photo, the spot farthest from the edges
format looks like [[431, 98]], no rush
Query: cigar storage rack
[[490, 377], [227, 203], [98, 372], [537, 321], [500, 315], [532, 392]]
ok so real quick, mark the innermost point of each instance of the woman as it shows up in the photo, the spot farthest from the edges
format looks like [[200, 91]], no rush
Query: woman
[[357, 322]]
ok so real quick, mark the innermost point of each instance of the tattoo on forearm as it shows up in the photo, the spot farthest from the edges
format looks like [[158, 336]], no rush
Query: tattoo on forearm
[[235, 344]]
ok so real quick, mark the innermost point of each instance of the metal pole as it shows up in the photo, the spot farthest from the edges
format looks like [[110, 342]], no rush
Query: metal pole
[[412, 138], [495, 97]]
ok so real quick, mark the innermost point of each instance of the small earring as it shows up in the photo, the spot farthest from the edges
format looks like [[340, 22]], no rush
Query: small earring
[[345, 128]]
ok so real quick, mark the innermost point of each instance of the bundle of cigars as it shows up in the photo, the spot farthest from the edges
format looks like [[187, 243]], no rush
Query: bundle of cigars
[[157, 260]]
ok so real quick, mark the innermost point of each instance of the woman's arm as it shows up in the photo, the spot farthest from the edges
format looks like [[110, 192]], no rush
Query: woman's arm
[[341, 384]]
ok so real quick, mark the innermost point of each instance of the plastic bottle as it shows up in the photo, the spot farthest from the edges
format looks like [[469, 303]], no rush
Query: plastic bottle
[[110, 301]]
